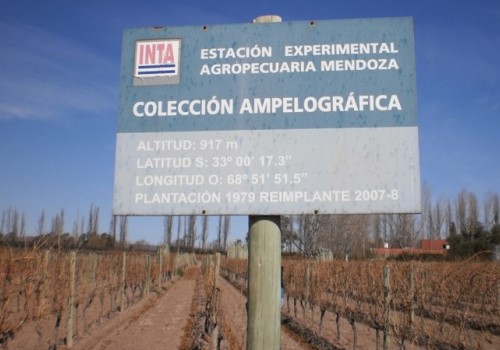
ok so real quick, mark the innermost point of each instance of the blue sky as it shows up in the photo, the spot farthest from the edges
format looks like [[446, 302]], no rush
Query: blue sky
[[59, 85]]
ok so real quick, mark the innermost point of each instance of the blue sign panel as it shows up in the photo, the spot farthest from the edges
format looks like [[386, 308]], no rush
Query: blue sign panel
[[268, 118]]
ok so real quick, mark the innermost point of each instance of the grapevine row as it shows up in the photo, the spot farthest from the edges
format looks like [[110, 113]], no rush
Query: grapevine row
[[452, 305], [74, 291]]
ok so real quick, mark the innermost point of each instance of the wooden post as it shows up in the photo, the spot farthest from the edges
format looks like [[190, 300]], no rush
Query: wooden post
[[387, 309], [94, 270], [176, 259], [71, 301], [264, 273], [167, 258], [215, 332], [122, 285], [46, 279], [217, 268], [307, 292], [160, 268], [147, 283], [264, 269], [412, 296]]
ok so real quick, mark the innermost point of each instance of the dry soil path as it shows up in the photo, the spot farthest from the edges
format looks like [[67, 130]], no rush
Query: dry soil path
[[234, 319], [157, 324]]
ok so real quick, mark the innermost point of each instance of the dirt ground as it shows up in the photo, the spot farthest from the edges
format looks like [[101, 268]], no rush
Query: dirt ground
[[234, 319], [160, 320], [156, 322]]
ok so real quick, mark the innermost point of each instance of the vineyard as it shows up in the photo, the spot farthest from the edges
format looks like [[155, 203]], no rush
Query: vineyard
[[427, 305], [56, 298]]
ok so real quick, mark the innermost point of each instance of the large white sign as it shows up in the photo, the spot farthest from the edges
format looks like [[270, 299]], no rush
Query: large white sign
[[276, 118]]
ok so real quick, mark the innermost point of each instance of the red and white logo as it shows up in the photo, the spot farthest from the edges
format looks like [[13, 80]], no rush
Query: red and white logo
[[157, 58]]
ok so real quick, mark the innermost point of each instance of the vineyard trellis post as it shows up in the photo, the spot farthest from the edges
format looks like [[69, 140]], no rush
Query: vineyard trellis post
[[168, 270], [307, 281], [215, 332], [387, 309], [122, 285], [147, 282], [71, 301], [176, 262], [94, 270], [217, 268], [45, 276], [412, 296], [160, 267]]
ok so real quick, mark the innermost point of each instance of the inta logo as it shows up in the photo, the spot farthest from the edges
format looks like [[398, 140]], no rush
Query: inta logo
[[157, 62]]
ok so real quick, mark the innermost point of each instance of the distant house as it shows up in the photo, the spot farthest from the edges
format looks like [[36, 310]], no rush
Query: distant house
[[427, 246], [438, 245]]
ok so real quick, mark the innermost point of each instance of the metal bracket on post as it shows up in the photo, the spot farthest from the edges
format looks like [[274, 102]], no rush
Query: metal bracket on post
[[267, 19]]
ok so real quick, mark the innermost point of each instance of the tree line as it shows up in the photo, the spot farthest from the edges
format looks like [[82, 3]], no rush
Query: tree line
[[179, 231], [470, 226]]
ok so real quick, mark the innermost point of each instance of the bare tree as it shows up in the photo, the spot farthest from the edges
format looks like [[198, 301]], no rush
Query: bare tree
[[58, 226], [22, 228], [426, 217], [41, 224], [2, 222], [491, 210], [361, 226], [168, 223], [204, 232], [384, 226], [461, 213], [186, 229], [472, 214], [93, 224], [496, 210], [488, 212], [12, 222], [439, 217], [435, 219], [219, 233], [112, 227], [345, 235], [377, 228], [191, 236], [287, 233], [76, 227], [123, 230], [450, 223], [467, 213], [403, 230], [225, 230], [307, 233], [82, 225], [179, 229]]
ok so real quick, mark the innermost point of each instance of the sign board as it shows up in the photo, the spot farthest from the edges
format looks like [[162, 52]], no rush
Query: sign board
[[264, 119]]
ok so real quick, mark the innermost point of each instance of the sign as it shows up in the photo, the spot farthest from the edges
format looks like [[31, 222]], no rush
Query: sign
[[265, 119]]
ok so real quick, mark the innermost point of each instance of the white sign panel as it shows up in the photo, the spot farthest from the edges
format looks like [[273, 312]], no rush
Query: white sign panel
[[276, 118]]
